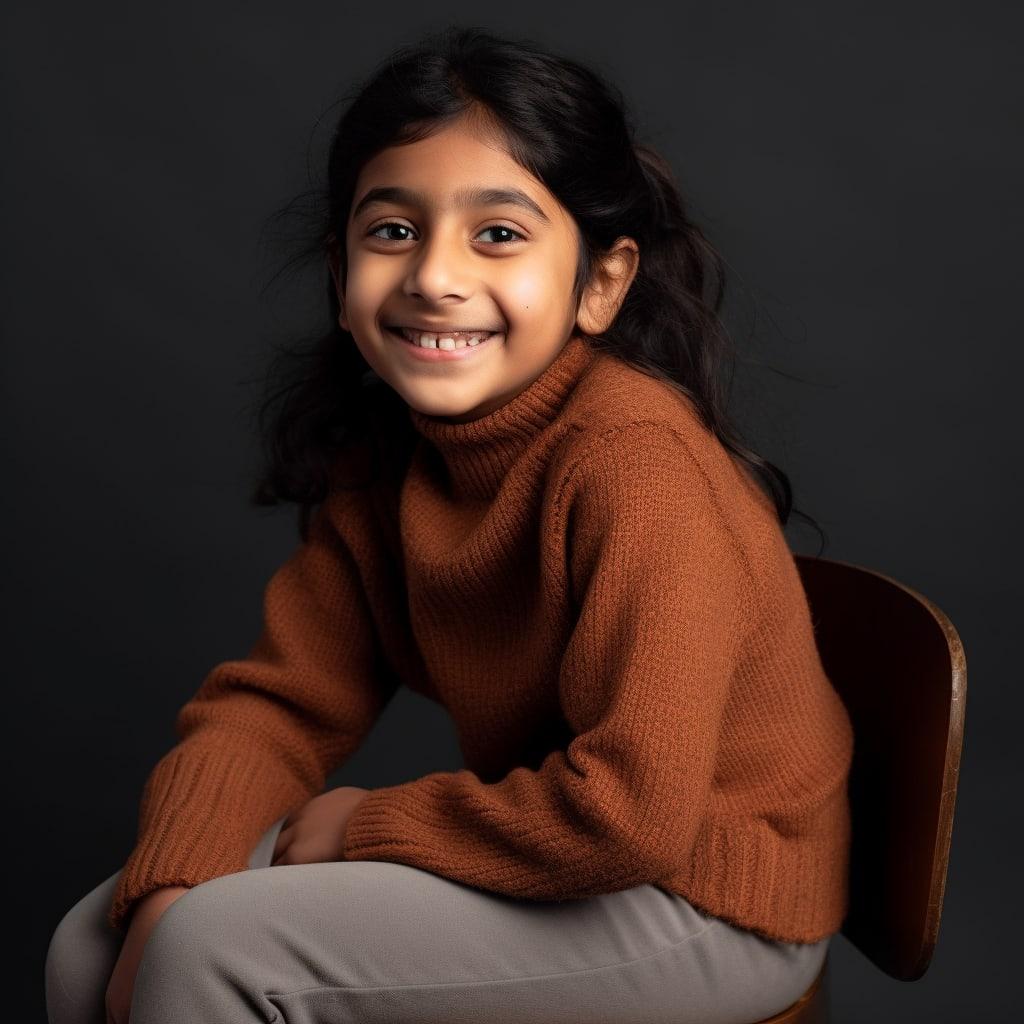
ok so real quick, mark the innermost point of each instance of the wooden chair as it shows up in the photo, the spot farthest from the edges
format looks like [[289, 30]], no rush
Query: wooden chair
[[899, 666]]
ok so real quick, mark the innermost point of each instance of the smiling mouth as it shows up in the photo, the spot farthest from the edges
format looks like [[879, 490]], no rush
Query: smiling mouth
[[443, 340]]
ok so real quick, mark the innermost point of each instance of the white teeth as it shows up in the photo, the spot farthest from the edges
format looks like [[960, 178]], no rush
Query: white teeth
[[455, 339]]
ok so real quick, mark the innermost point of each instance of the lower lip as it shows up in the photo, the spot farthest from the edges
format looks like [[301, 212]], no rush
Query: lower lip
[[441, 355]]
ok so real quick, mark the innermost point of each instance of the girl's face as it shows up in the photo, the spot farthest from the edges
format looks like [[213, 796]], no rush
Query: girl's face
[[451, 234]]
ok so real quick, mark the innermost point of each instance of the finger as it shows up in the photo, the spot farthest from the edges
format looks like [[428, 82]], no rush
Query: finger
[[280, 847]]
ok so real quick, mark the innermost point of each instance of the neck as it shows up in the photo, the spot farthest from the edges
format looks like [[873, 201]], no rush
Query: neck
[[477, 453]]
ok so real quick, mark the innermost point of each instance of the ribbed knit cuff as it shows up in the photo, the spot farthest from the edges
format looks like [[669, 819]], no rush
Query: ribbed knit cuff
[[201, 815], [394, 818]]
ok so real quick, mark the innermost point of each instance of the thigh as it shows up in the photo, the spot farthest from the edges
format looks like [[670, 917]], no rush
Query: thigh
[[383, 942]]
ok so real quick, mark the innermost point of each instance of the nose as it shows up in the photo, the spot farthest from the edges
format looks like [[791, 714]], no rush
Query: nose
[[439, 268]]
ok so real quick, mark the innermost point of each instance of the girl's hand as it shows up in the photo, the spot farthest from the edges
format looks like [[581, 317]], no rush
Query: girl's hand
[[316, 831], [144, 917]]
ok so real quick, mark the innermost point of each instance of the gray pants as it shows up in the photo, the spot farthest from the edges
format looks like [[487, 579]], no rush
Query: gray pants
[[355, 942]]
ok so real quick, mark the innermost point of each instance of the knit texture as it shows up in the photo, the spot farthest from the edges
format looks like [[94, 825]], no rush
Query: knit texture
[[605, 603]]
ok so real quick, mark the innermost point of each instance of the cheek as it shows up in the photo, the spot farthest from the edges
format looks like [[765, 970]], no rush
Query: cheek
[[369, 281], [542, 285], [533, 292]]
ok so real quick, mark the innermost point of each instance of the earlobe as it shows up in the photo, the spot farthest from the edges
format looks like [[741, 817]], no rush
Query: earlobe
[[333, 258], [605, 294], [590, 319], [333, 263], [342, 317]]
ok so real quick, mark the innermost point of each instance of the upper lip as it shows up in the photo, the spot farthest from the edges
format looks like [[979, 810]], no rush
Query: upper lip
[[439, 329]]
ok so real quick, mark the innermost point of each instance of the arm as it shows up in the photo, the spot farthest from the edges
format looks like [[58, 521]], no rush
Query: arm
[[262, 733], [663, 593]]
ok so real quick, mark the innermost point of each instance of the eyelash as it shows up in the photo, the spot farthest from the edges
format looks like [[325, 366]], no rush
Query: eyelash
[[493, 227]]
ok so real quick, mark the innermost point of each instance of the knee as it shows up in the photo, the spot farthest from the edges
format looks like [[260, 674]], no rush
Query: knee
[[79, 960], [202, 955], [60, 1000], [192, 933]]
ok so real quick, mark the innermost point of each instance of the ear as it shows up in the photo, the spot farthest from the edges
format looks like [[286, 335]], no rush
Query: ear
[[606, 291], [334, 265]]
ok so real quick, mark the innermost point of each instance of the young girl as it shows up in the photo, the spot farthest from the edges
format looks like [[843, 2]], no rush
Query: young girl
[[521, 499]]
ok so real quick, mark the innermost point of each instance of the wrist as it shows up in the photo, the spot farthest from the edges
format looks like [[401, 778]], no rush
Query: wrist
[[159, 897]]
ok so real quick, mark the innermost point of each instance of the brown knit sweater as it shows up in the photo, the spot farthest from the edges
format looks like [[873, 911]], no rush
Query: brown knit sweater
[[607, 607]]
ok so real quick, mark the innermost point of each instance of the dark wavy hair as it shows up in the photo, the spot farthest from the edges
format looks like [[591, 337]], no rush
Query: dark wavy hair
[[570, 129]]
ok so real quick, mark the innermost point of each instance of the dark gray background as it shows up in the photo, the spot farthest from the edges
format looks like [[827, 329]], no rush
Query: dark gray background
[[858, 165]]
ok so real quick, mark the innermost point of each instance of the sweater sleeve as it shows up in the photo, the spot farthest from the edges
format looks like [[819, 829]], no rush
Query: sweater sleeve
[[261, 734], [663, 593]]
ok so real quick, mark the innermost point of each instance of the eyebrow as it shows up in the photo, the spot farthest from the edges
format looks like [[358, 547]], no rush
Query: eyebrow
[[464, 198]]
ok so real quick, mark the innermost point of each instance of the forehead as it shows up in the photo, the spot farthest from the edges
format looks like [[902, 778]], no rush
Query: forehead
[[453, 169]]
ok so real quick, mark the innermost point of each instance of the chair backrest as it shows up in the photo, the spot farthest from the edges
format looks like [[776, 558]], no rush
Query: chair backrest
[[899, 667]]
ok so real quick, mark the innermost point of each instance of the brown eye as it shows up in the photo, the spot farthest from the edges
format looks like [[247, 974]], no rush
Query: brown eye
[[388, 224], [507, 230]]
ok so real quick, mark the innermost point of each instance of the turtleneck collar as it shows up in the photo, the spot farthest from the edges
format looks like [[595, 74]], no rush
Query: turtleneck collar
[[479, 453]]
